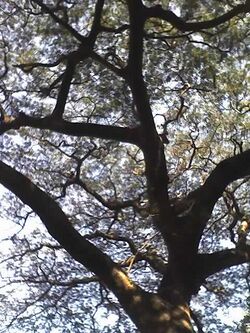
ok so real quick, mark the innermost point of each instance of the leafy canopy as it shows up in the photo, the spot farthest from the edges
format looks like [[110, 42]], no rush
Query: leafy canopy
[[127, 138]]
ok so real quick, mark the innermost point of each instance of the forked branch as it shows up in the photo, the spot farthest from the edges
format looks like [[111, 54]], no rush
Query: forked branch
[[62, 230]]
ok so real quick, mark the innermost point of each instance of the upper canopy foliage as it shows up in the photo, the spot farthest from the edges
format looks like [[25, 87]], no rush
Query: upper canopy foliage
[[137, 126]]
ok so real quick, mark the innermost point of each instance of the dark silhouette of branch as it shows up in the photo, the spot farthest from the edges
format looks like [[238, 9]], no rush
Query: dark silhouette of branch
[[95, 29], [63, 231], [62, 22], [64, 89], [131, 297], [54, 282], [205, 197], [74, 58], [119, 72], [217, 261], [152, 146], [180, 24], [226, 172], [108, 132]]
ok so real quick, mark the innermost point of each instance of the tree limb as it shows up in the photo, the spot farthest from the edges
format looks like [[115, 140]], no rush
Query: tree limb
[[57, 19], [152, 146], [63, 231], [95, 29], [147, 310], [177, 22], [217, 261], [64, 89], [108, 132], [226, 172], [205, 197]]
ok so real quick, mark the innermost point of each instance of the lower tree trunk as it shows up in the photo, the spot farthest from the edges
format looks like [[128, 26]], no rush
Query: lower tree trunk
[[152, 314]]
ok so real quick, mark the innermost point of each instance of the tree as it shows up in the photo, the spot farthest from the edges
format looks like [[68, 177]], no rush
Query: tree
[[124, 128]]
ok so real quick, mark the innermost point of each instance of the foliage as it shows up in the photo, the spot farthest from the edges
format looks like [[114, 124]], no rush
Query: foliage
[[128, 139]]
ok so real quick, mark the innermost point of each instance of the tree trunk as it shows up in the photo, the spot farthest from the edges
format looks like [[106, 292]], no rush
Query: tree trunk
[[151, 313]]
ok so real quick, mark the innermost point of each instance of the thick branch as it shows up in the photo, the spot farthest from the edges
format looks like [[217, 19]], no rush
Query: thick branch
[[73, 59], [180, 24], [148, 311], [155, 164], [226, 172], [201, 201], [215, 262], [122, 134], [62, 230], [64, 89], [96, 22]]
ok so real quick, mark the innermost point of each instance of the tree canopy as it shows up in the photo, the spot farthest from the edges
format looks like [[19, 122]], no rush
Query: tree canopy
[[125, 165]]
